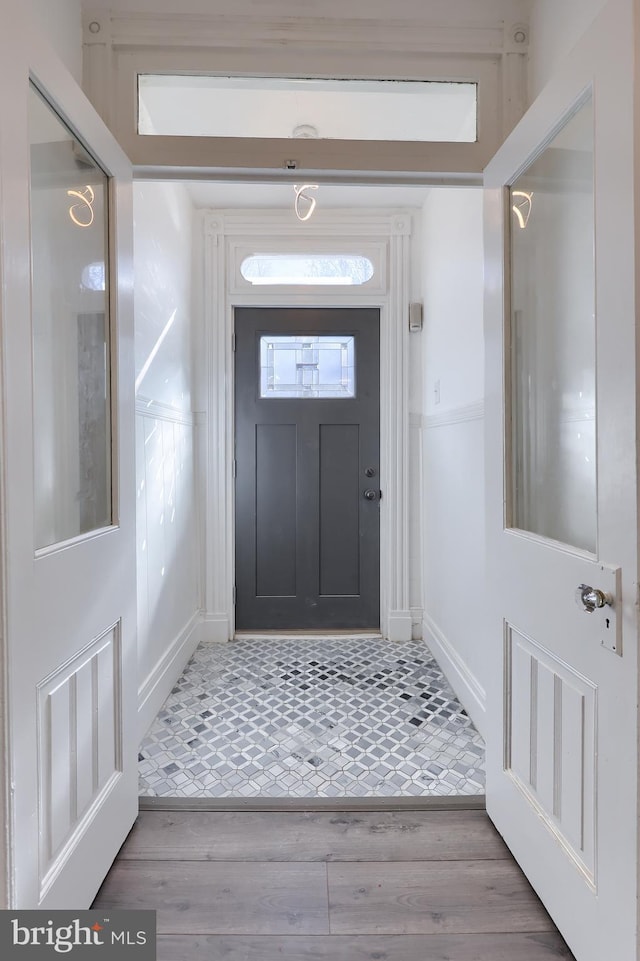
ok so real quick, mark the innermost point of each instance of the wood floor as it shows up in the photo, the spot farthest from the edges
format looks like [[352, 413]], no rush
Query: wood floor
[[330, 886]]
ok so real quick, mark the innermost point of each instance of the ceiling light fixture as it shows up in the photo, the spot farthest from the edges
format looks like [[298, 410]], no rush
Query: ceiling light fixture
[[303, 198], [305, 131]]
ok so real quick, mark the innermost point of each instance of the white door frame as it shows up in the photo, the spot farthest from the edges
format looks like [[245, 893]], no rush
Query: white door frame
[[118, 46], [228, 236]]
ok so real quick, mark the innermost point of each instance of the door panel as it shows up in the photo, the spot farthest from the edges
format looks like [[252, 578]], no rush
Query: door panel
[[561, 492], [307, 428], [338, 521], [69, 484], [275, 521]]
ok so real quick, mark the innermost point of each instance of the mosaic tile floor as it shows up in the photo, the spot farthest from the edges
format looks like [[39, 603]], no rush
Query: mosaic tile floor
[[321, 717]]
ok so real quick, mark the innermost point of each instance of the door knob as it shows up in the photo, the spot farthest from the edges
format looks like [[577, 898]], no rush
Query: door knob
[[591, 598], [370, 494]]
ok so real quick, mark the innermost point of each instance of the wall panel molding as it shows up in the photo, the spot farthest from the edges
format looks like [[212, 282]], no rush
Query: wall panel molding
[[146, 407], [167, 533], [458, 415], [416, 527]]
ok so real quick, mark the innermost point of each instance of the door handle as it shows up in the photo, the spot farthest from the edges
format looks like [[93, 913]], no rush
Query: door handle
[[591, 598], [370, 494]]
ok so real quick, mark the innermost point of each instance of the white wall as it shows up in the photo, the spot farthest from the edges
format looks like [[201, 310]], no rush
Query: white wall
[[167, 531], [452, 436], [555, 28], [61, 22]]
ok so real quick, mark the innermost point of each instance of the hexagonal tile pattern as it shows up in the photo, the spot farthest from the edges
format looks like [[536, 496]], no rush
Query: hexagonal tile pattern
[[341, 716]]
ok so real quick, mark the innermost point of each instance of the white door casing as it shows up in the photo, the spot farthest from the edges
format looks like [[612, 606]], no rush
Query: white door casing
[[120, 45], [68, 640], [562, 705], [384, 236]]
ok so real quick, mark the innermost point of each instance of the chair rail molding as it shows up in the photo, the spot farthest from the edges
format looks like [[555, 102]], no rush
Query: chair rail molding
[[389, 233], [455, 415], [147, 407]]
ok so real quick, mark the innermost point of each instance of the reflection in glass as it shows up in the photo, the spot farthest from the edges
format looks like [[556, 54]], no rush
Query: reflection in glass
[[183, 105], [553, 339], [307, 366], [72, 432], [307, 269]]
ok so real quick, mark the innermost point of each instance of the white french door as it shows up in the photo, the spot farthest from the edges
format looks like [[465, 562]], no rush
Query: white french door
[[562, 492], [68, 537]]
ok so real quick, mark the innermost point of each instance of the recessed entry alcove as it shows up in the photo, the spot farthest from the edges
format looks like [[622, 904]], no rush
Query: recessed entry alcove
[[305, 707]]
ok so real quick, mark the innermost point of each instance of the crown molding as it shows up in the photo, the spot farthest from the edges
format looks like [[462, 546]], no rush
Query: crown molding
[[142, 30]]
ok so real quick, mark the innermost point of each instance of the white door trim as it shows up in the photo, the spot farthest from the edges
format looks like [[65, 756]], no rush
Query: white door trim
[[386, 235], [118, 46]]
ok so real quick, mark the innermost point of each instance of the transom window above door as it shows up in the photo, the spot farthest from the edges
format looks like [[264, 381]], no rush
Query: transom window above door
[[308, 269], [270, 94], [431, 111]]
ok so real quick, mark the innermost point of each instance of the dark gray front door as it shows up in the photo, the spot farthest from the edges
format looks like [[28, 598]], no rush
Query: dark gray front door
[[307, 407]]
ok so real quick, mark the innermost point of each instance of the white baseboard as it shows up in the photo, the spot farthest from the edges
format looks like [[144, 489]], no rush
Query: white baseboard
[[417, 613], [216, 628], [462, 680], [398, 626], [157, 686]]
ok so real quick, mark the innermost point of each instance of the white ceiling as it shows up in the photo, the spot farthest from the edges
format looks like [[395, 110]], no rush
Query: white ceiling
[[264, 195]]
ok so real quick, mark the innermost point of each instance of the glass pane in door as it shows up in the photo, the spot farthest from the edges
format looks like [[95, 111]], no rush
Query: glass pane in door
[[70, 324], [307, 366], [553, 359]]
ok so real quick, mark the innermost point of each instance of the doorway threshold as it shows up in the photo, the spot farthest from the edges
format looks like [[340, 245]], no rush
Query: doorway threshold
[[307, 634], [474, 802]]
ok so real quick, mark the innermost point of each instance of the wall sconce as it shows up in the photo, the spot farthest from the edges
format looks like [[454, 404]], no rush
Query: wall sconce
[[81, 212], [302, 214]]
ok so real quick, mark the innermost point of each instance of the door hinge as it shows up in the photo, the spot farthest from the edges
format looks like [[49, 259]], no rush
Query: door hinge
[[379, 495], [235, 593], [235, 467], [233, 343]]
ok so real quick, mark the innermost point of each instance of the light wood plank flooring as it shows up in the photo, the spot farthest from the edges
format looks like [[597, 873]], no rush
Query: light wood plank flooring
[[330, 886]]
